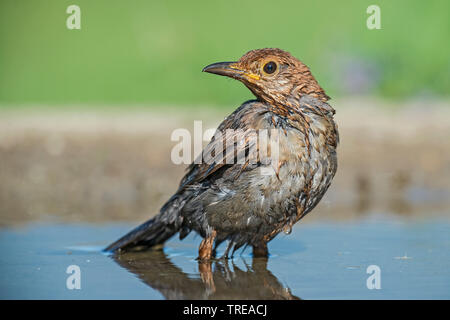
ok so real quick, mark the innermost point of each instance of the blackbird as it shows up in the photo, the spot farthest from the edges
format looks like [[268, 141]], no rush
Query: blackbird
[[253, 186]]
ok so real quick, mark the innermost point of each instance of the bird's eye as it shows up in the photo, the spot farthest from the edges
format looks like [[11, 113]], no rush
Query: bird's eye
[[270, 67]]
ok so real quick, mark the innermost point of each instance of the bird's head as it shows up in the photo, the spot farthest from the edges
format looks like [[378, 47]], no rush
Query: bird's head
[[273, 75]]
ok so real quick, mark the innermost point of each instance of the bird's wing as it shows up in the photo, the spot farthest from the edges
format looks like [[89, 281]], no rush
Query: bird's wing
[[233, 143]]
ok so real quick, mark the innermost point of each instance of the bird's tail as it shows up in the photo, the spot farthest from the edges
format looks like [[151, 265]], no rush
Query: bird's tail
[[153, 232]]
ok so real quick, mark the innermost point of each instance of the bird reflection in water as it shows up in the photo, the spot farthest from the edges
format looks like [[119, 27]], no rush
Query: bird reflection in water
[[216, 279]]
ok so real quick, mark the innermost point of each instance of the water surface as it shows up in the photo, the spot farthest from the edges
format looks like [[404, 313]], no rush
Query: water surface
[[323, 260]]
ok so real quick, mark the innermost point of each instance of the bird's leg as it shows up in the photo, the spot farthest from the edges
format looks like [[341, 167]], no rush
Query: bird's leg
[[216, 244], [260, 250], [227, 250], [205, 251]]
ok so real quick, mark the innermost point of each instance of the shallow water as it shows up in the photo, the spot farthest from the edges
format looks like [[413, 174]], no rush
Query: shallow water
[[316, 261]]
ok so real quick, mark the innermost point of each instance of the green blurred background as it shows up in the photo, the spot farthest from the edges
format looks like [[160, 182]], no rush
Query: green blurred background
[[152, 52]]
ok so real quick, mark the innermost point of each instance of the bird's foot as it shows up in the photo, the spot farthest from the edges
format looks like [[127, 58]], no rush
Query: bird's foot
[[205, 251]]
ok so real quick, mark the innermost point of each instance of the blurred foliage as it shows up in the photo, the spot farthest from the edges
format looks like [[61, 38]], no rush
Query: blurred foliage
[[152, 52]]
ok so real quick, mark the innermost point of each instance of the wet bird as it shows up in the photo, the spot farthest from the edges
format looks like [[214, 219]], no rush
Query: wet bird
[[250, 190]]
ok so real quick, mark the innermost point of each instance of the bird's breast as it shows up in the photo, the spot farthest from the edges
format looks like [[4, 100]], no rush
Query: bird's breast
[[302, 171]]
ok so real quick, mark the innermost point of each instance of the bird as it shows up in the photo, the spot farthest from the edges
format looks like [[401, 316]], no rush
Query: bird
[[269, 163]]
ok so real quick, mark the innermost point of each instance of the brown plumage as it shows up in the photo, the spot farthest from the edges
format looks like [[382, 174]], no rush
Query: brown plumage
[[247, 190]]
